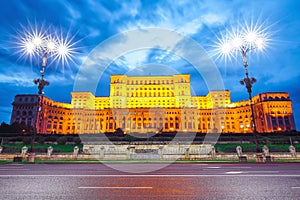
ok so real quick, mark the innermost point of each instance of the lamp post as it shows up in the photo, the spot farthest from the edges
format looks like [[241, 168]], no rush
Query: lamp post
[[248, 82], [41, 83], [40, 46], [243, 43], [45, 45]]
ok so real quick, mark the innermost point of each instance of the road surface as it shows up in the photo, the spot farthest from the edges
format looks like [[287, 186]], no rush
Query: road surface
[[175, 181]]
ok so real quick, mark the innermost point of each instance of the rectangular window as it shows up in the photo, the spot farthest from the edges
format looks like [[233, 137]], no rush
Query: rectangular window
[[274, 122], [280, 121], [286, 121], [160, 125], [166, 125]]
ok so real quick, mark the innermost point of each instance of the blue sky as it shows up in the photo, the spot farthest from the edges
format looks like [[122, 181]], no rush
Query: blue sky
[[94, 22]]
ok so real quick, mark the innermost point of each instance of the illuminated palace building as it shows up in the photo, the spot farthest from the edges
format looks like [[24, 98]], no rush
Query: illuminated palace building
[[154, 104]]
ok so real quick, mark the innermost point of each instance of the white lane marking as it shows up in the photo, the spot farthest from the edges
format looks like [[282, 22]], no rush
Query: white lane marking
[[234, 172], [151, 175], [116, 187], [16, 164], [213, 167], [295, 187], [9, 169], [263, 171], [236, 167]]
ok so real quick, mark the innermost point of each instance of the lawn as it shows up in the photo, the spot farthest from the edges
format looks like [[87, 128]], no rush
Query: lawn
[[221, 148], [40, 148], [231, 148]]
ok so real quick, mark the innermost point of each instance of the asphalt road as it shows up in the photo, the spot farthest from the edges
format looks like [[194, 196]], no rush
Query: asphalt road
[[174, 181]]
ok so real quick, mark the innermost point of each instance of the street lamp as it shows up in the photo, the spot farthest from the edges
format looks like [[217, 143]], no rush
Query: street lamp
[[245, 42], [42, 44]]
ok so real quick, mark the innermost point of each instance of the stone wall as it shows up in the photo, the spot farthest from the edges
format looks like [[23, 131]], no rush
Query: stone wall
[[170, 152]]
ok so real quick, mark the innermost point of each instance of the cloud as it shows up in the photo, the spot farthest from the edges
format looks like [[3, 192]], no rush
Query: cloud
[[186, 17], [133, 59], [17, 79], [25, 78], [214, 19]]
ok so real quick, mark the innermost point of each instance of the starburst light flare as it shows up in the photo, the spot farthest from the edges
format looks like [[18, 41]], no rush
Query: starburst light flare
[[245, 42], [251, 37], [65, 49], [35, 42]]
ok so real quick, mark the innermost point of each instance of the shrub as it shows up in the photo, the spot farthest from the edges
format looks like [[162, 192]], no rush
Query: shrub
[[62, 140], [77, 141], [40, 139], [51, 138], [129, 138], [26, 140], [17, 139], [70, 138]]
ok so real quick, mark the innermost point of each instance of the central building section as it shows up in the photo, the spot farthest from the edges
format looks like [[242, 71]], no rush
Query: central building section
[[149, 104], [150, 91]]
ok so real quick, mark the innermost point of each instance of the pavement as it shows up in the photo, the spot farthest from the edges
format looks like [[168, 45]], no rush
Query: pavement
[[150, 181]]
